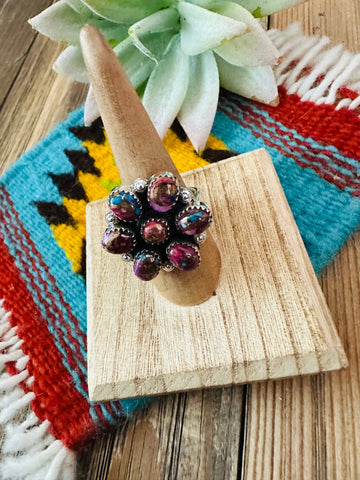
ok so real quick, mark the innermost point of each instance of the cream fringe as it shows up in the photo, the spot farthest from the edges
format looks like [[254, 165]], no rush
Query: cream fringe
[[330, 67], [29, 451]]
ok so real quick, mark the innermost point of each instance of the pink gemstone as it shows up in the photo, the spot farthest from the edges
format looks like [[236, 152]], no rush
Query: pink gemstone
[[118, 240], [146, 265], [183, 256], [125, 205], [155, 231], [193, 220], [163, 193]]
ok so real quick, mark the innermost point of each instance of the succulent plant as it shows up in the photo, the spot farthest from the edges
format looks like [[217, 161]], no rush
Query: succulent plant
[[177, 54]]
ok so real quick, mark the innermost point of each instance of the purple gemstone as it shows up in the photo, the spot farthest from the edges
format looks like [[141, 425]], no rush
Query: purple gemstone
[[183, 256], [163, 193], [146, 265], [125, 205], [118, 240], [155, 231], [193, 220]]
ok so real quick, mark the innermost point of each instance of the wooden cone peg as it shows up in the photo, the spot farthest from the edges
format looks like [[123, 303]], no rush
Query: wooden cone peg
[[140, 153]]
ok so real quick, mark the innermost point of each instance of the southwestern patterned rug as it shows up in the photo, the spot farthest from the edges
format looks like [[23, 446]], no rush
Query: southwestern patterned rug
[[313, 138]]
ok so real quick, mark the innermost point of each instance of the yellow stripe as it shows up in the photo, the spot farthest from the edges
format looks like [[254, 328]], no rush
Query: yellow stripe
[[104, 161], [70, 238], [183, 154]]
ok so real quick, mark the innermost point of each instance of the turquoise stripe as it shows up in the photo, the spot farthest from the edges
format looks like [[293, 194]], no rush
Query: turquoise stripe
[[325, 215], [12, 243], [44, 157], [19, 258], [285, 144], [132, 404], [288, 132], [106, 414]]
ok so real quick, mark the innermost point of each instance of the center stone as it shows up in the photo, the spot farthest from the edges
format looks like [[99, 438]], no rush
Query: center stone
[[155, 231]]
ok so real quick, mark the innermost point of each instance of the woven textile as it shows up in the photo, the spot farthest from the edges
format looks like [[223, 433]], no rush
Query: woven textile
[[313, 138]]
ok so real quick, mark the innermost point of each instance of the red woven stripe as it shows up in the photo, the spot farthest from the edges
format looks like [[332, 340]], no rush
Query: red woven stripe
[[34, 285], [47, 270], [346, 92], [105, 424], [71, 358], [323, 123], [283, 134], [319, 171], [56, 399], [335, 175], [26, 246]]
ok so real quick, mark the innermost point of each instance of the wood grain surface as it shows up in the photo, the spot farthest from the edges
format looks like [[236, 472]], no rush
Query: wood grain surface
[[268, 318], [305, 428]]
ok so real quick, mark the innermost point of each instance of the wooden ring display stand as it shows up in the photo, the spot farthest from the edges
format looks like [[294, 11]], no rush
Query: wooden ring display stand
[[139, 152], [261, 315]]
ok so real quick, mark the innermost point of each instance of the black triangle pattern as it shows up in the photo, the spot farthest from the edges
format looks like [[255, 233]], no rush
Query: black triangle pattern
[[93, 132], [55, 214], [69, 185], [211, 155]]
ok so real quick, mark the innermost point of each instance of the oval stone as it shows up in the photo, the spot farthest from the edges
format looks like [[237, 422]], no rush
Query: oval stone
[[163, 193], [125, 205], [193, 220], [118, 240], [183, 256], [155, 231], [147, 265]]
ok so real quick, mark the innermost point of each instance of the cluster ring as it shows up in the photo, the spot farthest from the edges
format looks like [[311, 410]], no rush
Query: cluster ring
[[157, 225]]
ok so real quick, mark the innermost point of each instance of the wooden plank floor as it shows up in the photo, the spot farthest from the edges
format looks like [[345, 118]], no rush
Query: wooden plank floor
[[300, 428]]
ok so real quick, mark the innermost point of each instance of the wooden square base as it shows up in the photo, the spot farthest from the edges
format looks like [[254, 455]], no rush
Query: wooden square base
[[268, 318]]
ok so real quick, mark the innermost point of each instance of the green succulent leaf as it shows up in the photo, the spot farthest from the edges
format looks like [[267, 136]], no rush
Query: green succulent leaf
[[258, 8], [251, 49], [203, 29], [257, 83], [198, 110], [78, 6], [61, 22], [125, 11], [138, 67], [204, 3], [261, 8], [70, 63], [161, 21], [167, 86], [176, 53], [157, 44]]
